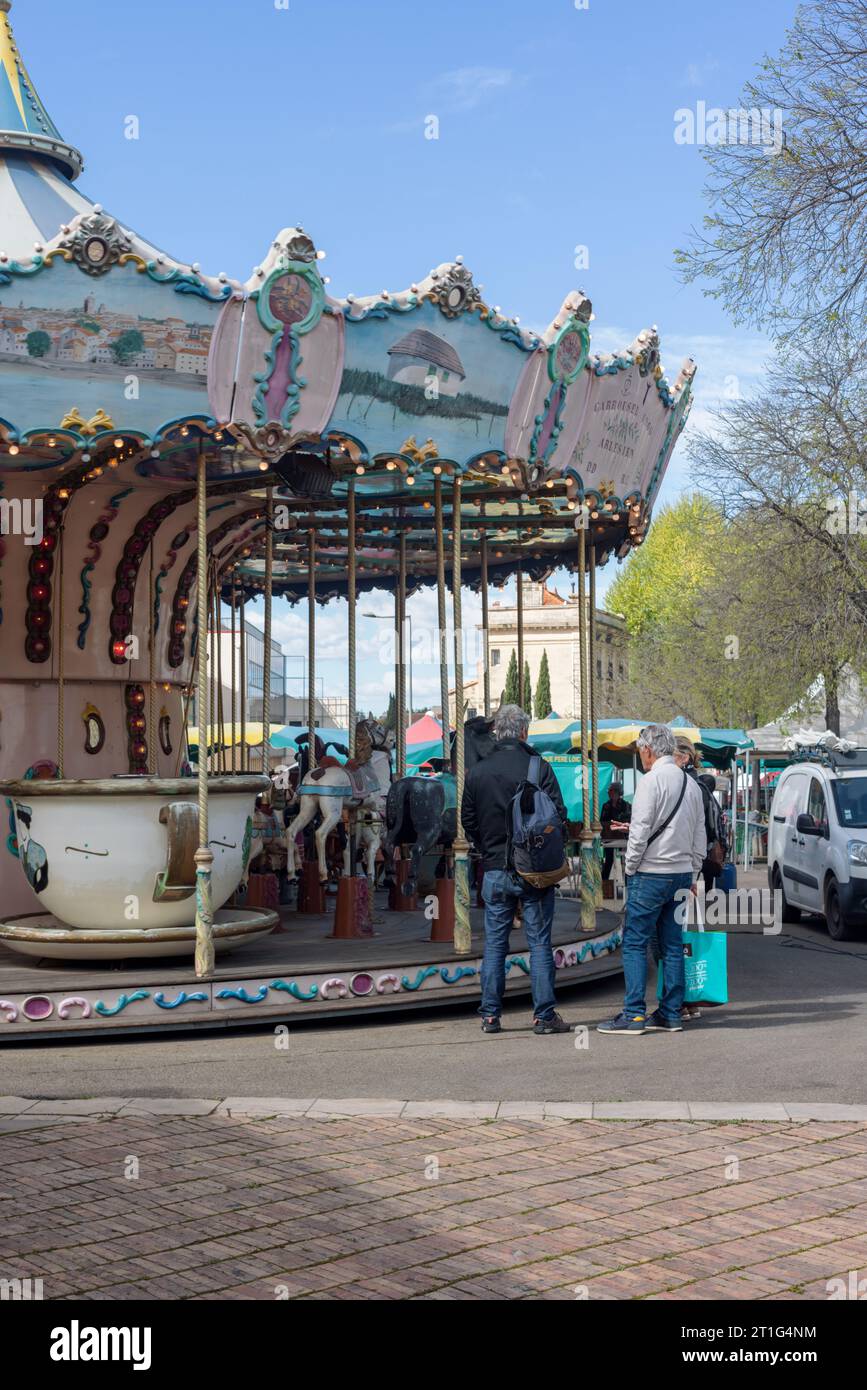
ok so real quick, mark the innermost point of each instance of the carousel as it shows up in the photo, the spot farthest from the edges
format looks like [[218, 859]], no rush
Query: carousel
[[175, 445]]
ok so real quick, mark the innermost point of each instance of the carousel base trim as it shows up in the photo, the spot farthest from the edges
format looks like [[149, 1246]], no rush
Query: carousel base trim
[[40, 934], [258, 997]]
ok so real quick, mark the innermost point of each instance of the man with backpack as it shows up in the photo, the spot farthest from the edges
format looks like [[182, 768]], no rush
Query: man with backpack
[[665, 851], [513, 813]]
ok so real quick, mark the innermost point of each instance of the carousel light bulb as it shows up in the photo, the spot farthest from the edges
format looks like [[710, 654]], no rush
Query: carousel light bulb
[[263, 467], [359, 468], [155, 453], [222, 277], [592, 317], [410, 480], [437, 470], [570, 506], [195, 267], [37, 246], [506, 471], [13, 449], [63, 493], [391, 465], [85, 457], [326, 279], [550, 482], [426, 506], [184, 431], [118, 443], [52, 442], [219, 434]]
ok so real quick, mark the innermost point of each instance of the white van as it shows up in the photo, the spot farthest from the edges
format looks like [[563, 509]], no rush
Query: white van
[[817, 840]]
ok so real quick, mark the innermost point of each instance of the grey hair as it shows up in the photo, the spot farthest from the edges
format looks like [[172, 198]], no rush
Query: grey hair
[[510, 721], [658, 738]]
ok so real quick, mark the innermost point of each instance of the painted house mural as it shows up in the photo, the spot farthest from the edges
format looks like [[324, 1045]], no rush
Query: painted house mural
[[456, 373]]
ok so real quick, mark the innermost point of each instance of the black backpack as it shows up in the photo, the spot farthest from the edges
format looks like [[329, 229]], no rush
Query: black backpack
[[535, 846]]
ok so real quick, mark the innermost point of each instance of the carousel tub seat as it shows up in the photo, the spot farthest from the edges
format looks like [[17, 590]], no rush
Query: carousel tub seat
[[119, 853]]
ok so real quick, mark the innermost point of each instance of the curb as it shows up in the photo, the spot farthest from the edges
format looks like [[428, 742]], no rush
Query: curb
[[23, 1112]]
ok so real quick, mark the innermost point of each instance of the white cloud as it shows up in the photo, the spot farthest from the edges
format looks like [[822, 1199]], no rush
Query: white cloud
[[463, 89], [697, 74]]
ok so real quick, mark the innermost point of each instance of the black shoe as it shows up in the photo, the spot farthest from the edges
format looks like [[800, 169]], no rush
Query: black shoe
[[657, 1024], [554, 1024], [492, 1025]]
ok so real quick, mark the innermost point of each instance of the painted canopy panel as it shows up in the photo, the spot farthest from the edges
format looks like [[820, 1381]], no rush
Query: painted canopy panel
[[422, 374], [121, 344]]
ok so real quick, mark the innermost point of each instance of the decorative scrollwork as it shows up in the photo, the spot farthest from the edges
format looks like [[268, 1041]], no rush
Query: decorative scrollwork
[[97, 243], [455, 292]]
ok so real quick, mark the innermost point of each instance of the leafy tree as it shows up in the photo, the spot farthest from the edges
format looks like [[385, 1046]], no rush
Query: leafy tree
[[510, 690], [543, 688], [38, 343], [389, 720], [127, 345], [785, 242]]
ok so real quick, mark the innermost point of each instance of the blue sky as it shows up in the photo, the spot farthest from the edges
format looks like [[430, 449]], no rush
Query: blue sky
[[555, 131]]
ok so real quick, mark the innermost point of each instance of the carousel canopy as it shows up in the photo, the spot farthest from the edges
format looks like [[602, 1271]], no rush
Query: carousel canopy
[[123, 367]]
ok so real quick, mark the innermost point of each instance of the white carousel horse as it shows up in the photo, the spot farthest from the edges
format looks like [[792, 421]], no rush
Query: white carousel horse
[[330, 787]]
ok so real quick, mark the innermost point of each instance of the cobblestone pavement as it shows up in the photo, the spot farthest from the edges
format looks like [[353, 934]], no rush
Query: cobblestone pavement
[[176, 1206]]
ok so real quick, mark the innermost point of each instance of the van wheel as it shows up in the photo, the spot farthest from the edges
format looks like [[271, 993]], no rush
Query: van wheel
[[788, 913], [838, 928]]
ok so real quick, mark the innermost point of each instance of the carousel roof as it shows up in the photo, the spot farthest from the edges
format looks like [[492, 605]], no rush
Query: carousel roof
[[24, 122]]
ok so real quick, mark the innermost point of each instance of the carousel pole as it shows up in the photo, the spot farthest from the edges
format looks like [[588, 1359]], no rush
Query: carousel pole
[[588, 889], [400, 902], [595, 824], [204, 857], [234, 705], [462, 936], [152, 688], [61, 677], [443, 924], [311, 892], [242, 661], [520, 616], [353, 890], [266, 677], [486, 670], [218, 638]]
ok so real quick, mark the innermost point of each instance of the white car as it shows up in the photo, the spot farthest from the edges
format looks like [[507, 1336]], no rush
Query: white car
[[817, 841]]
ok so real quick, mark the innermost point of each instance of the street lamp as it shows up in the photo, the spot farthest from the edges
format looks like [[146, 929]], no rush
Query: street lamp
[[385, 618]]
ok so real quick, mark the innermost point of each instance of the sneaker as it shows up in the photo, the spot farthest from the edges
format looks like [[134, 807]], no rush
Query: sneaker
[[657, 1024], [492, 1025], [554, 1024], [688, 1012], [623, 1023]]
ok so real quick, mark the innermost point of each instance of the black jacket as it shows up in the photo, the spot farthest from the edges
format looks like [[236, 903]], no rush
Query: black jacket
[[621, 812], [488, 793]]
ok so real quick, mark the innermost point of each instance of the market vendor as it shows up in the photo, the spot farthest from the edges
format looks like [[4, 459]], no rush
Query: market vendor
[[615, 817]]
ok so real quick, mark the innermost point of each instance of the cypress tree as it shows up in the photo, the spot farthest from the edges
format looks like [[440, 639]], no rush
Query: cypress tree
[[527, 701], [543, 689], [510, 693]]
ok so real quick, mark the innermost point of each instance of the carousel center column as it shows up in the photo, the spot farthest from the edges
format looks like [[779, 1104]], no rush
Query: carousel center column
[[443, 924], [203, 857], [595, 824], [462, 937]]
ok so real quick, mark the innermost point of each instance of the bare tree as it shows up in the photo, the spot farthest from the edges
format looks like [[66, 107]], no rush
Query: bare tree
[[784, 244]]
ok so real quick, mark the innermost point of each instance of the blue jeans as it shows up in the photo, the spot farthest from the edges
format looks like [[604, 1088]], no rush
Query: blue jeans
[[651, 908], [501, 893]]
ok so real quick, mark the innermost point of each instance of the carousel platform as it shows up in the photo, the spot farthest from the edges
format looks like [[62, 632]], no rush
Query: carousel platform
[[295, 972]]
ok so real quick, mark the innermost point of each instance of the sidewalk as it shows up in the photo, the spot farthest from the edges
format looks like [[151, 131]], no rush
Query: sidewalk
[[408, 1204]]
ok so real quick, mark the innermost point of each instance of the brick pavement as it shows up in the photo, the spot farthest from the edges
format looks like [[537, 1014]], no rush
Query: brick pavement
[[401, 1206]]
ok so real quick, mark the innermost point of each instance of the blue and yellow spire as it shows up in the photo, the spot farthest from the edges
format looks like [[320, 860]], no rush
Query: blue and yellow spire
[[25, 125]]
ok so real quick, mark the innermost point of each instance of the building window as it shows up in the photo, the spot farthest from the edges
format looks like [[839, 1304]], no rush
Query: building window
[[620, 669], [495, 656]]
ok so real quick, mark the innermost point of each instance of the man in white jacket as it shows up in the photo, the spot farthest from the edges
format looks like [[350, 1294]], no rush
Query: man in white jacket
[[665, 851]]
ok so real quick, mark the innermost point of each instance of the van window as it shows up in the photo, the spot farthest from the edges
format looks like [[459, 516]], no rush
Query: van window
[[850, 796], [816, 805], [789, 799]]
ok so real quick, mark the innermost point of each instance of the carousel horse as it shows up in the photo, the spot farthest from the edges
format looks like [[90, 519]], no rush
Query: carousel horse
[[422, 811], [362, 784]]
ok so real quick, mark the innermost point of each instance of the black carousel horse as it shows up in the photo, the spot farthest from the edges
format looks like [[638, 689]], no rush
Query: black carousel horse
[[421, 812]]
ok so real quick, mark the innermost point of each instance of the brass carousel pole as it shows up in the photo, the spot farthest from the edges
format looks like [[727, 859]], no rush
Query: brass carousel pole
[[594, 730], [204, 857], [234, 706], [462, 936], [266, 678], [152, 689], [399, 901], [353, 890], [311, 893], [486, 670], [242, 662], [588, 890], [443, 924], [522, 693]]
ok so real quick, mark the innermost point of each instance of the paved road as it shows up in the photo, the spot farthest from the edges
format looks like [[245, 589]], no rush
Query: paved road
[[794, 1031]]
